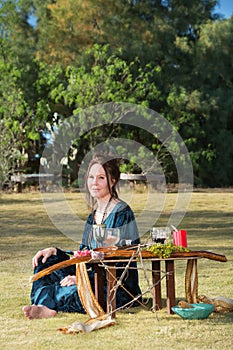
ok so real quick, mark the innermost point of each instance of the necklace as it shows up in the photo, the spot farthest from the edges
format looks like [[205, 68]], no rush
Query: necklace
[[98, 230], [105, 211]]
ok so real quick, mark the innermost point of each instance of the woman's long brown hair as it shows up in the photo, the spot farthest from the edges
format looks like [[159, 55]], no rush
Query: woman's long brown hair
[[112, 171]]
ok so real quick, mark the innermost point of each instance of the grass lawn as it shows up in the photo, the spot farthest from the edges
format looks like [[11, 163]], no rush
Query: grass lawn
[[25, 228]]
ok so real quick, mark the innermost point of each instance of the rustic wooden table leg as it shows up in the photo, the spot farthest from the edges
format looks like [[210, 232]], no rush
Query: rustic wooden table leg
[[111, 294], [191, 281], [99, 284], [156, 280], [170, 285]]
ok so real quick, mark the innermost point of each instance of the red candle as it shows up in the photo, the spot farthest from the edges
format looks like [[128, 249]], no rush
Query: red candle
[[180, 238]]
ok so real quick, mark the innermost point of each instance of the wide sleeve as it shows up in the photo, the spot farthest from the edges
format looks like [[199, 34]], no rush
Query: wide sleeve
[[87, 234]]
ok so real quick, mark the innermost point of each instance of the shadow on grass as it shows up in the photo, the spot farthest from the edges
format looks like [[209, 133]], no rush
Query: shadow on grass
[[216, 318], [17, 201], [27, 208], [204, 218], [222, 318]]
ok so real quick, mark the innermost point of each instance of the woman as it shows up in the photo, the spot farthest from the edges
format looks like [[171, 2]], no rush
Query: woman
[[57, 291]]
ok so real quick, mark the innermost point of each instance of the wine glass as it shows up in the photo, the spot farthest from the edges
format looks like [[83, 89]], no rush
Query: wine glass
[[160, 235], [153, 234], [99, 234], [112, 236]]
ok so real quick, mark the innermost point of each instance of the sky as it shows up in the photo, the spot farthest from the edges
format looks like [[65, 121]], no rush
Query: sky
[[225, 8]]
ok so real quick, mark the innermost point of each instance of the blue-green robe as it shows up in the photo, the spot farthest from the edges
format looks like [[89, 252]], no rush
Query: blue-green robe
[[48, 291]]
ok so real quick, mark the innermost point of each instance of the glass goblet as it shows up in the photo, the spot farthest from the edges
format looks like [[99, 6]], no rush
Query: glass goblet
[[112, 236], [99, 234]]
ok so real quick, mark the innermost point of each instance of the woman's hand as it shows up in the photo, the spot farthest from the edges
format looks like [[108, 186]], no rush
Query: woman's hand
[[68, 281], [46, 253]]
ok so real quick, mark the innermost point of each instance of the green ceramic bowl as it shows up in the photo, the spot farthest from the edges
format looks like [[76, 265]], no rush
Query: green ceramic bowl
[[197, 312]]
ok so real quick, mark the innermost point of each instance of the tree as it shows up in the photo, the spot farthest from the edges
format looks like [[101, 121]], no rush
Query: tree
[[200, 103], [12, 108], [9, 154], [172, 56], [18, 40], [215, 80], [140, 28], [105, 77]]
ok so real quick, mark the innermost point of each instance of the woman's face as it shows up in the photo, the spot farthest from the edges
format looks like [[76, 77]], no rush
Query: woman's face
[[97, 182]]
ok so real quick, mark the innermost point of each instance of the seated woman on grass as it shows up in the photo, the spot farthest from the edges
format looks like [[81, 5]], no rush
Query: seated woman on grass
[[57, 292]]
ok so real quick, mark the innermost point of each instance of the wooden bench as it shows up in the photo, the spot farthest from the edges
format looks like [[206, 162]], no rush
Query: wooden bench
[[20, 179], [154, 180]]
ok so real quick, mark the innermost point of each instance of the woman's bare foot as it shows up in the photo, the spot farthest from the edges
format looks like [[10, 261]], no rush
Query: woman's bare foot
[[38, 311]]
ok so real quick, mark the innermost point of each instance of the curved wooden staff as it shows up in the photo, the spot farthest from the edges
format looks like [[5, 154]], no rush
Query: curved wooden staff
[[59, 266], [110, 252]]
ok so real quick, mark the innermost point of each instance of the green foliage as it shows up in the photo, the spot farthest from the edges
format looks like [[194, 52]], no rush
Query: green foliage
[[173, 57], [105, 78], [165, 250], [9, 153]]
